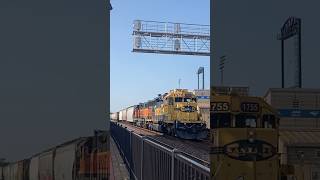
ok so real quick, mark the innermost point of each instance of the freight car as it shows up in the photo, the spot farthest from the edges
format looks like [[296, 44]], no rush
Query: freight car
[[244, 136], [130, 114], [123, 115], [79, 159], [114, 116]]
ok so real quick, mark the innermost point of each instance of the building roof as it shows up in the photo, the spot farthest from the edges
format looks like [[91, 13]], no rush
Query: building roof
[[290, 90], [227, 90], [300, 137]]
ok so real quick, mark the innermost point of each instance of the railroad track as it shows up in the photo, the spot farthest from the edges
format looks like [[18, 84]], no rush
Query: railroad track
[[198, 149]]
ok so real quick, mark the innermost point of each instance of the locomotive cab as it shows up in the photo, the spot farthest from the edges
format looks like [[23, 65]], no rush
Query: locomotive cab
[[244, 137]]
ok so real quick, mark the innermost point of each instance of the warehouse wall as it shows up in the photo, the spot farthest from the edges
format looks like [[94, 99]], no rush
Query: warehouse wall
[[298, 108]]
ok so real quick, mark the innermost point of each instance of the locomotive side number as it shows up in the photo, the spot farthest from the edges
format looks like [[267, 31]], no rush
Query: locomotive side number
[[250, 107], [220, 106]]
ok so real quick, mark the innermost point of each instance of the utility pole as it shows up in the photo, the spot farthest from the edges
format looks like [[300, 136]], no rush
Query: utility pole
[[221, 67], [179, 83]]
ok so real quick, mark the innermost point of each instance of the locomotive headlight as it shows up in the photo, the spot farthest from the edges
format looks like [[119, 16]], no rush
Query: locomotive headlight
[[251, 133], [251, 136]]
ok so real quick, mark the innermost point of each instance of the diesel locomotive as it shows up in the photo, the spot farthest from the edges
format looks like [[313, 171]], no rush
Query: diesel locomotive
[[244, 138], [174, 113]]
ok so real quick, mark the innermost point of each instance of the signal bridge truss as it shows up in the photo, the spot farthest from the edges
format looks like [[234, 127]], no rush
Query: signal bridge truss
[[171, 38]]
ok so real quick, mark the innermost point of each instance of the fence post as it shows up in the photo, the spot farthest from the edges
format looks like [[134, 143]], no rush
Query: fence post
[[130, 155], [142, 151], [172, 163]]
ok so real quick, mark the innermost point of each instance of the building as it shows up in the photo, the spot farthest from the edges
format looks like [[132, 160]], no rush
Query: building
[[203, 103], [203, 98], [300, 149], [298, 108], [299, 134], [227, 90]]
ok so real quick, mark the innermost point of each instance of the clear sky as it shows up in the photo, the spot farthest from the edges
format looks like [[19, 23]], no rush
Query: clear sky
[[138, 77]]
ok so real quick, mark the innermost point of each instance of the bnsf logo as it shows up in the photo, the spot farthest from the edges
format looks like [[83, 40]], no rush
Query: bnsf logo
[[249, 151]]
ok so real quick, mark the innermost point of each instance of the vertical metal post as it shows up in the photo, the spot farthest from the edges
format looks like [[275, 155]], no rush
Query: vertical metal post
[[203, 79], [172, 163], [166, 31], [108, 64], [141, 169], [282, 63], [198, 81], [130, 151]]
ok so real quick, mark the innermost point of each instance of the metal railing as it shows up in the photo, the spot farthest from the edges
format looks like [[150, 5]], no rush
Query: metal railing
[[147, 158]]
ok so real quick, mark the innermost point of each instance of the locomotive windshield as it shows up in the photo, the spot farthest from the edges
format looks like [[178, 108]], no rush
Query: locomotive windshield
[[246, 121], [243, 120], [220, 120], [180, 99], [190, 100]]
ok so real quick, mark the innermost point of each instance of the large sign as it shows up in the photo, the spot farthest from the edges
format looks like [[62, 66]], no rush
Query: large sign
[[299, 113], [290, 28], [244, 150]]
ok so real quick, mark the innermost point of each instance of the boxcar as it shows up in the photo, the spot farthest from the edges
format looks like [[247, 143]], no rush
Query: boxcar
[[123, 115], [114, 116], [130, 113]]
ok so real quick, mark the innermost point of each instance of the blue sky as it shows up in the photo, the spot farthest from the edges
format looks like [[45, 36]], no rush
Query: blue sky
[[138, 77]]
